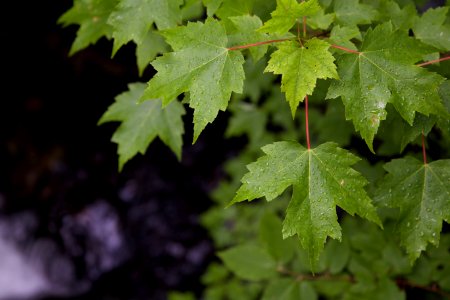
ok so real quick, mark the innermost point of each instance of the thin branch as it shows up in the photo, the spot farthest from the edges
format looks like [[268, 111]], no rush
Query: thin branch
[[433, 288], [257, 44], [434, 61], [321, 33], [401, 283], [345, 49], [424, 151]]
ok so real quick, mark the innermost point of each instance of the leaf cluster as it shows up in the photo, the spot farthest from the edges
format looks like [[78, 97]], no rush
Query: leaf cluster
[[371, 80]]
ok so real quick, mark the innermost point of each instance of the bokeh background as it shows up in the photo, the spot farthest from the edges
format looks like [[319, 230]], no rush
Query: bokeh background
[[71, 226]]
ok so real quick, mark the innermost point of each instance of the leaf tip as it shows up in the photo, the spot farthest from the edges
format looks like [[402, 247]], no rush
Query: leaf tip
[[413, 256], [377, 221], [102, 120], [293, 111], [293, 106], [120, 165], [114, 50], [195, 138], [237, 198], [199, 125], [230, 204], [178, 156], [369, 143]]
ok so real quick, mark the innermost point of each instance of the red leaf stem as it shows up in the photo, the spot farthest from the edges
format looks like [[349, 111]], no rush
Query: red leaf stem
[[306, 97], [307, 122], [257, 44], [424, 151], [403, 283], [345, 49], [434, 61]]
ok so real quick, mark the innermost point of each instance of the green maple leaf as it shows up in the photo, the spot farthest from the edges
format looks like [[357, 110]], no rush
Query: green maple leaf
[[395, 141], [332, 126], [321, 178], [351, 12], [287, 13], [200, 64], [230, 8], [132, 19], [421, 125], [249, 262], [383, 72], [146, 51], [342, 36], [212, 6], [320, 20], [401, 18], [92, 16], [430, 28], [422, 192], [192, 9], [142, 123], [289, 289], [444, 123], [300, 68], [256, 82], [248, 119], [244, 32]]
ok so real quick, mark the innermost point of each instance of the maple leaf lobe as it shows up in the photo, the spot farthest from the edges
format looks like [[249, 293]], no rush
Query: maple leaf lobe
[[422, 192], [321, 179], [384, 72], [201, 65], [300, 67], [142, 123]]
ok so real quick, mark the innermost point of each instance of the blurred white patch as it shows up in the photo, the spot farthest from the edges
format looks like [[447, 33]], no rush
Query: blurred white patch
[[18, 279], [30, 269]]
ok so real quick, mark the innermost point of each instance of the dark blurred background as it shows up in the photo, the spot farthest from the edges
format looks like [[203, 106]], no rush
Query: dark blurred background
[[71, 226]]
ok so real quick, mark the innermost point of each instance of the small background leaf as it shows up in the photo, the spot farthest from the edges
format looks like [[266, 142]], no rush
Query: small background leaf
[[249, 262]]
